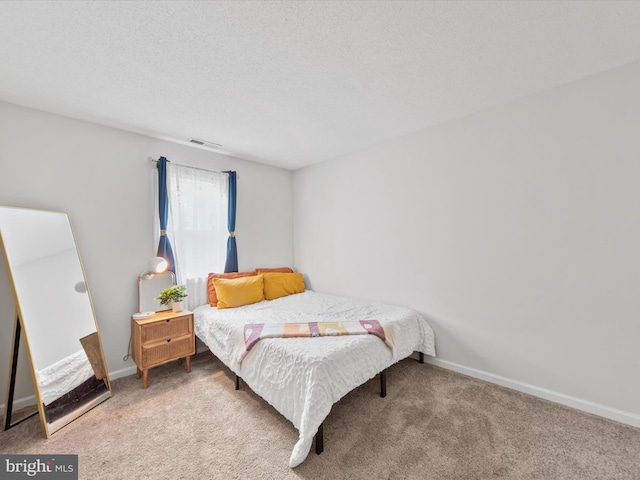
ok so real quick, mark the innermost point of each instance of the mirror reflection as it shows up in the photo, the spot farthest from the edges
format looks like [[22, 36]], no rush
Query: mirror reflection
[[56, 314]]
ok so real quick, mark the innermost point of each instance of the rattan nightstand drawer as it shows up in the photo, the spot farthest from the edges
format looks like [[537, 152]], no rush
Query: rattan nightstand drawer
[[156, 353], [165, 329]]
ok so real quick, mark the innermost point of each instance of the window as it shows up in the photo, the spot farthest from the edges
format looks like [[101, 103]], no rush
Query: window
[[197, 225]]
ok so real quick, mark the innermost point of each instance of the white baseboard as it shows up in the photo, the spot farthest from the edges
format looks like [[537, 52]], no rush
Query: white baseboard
[[19, 403], [123, 372], [573, 402]]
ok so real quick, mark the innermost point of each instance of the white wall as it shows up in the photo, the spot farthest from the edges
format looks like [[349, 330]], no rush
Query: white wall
[[516, 231], [104, 179]]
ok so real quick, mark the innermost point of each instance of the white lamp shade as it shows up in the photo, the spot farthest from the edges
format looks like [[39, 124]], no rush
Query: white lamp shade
[[157, 265]]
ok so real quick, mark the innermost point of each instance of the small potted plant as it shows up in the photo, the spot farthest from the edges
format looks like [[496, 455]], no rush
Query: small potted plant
[[173, 295]]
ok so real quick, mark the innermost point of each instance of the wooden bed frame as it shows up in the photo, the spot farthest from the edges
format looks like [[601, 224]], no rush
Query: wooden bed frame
[[319, 440]]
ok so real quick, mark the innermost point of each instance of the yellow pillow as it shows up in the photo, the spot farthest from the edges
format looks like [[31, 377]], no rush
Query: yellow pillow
[[235, 292], [278, 285], [211, 288]]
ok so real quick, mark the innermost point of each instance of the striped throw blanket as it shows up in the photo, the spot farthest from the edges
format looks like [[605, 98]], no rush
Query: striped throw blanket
[[254, 332]]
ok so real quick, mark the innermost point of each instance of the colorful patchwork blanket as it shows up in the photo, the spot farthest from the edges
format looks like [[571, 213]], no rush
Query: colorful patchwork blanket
[[254, 332]]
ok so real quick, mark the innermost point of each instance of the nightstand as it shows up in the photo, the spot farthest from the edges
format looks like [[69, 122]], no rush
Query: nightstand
[[161, 338]]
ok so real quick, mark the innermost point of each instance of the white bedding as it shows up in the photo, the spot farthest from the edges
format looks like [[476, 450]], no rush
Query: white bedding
[[303, 377], [63, 376]]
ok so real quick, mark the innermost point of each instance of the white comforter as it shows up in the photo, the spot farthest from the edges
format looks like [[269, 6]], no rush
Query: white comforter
[[63, 376], [303, 377]]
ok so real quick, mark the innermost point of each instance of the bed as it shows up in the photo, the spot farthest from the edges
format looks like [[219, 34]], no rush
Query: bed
[[303, 377]]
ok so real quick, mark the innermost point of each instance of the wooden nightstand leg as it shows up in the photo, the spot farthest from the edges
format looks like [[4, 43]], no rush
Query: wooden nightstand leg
[[138, 372], [145, 377], [188, 364]]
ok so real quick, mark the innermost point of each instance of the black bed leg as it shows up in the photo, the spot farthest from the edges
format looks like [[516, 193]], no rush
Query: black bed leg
[[319, 439], [421, 357], [237, 382], [383, 383]]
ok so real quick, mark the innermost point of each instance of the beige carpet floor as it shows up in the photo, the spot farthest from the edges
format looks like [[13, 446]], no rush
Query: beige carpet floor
[[433, 424]]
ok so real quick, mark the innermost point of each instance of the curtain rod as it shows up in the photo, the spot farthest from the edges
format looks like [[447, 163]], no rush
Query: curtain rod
[[153, 160]]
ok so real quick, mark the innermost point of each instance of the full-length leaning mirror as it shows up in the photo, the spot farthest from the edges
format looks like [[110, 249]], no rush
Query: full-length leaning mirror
[[55, 315]]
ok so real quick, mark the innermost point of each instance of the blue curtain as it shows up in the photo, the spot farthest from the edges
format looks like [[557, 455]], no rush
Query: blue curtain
[[164, 247], [231, 265]]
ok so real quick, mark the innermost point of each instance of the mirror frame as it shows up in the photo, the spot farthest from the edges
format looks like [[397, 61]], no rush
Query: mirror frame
[[21, 330]]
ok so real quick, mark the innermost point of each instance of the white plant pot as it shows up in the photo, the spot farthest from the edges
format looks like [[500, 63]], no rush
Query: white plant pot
[[177, 306]]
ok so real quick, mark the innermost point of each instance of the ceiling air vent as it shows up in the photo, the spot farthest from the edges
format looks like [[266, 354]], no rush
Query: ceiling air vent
[[204, 143]]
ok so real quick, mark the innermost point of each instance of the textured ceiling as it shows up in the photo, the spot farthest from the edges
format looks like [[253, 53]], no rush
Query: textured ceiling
[[293, 83]]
